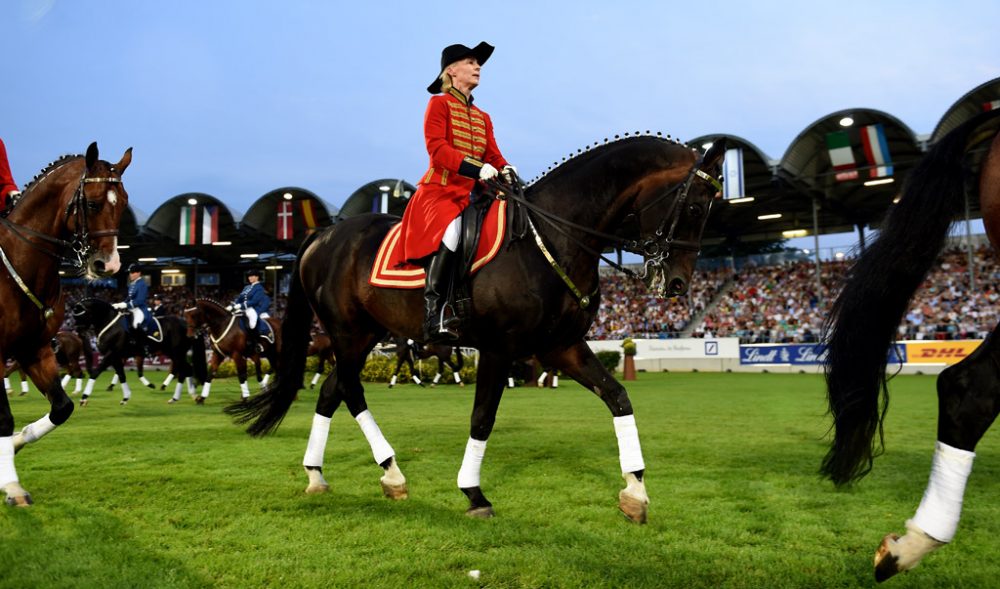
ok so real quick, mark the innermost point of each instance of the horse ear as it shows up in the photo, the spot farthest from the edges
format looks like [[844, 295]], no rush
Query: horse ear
[[125, 161], [715, 153], [91, 155]]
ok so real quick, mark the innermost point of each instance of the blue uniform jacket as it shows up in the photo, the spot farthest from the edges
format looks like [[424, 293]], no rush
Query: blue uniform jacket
[[136, 297], [253, 295]]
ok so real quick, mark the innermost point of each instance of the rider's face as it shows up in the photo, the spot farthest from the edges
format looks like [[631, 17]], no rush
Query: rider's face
[[465, 74]]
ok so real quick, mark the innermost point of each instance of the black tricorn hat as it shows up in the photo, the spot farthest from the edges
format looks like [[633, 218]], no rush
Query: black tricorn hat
[[453, 53], [254, 272], [133, 267]]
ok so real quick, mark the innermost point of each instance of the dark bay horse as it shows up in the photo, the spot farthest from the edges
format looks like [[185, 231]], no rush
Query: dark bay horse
[[68, 213], [322, 347], [863, 325], [115, 344], [409, 351], [69, 349], [228, 340], [643, 193]]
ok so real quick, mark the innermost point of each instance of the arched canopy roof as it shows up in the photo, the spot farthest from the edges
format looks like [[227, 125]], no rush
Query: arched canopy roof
[[388, 195], [308, 212], [983, 97], [165, 221]]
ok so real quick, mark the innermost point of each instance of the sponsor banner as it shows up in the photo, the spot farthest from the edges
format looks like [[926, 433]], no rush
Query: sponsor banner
[[801, 354], [651, 349], [940, 352]]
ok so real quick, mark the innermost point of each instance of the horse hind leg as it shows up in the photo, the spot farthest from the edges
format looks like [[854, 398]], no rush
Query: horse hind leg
[[968, 403]]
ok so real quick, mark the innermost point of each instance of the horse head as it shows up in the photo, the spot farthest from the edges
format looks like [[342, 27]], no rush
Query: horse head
[[81, 203], [91, 312], [204, 313]]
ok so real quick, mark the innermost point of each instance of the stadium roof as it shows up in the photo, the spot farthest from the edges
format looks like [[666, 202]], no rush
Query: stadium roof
[[792, 186]]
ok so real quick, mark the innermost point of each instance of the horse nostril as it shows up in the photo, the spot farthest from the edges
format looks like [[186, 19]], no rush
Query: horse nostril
[[98, 266], [677, 287]]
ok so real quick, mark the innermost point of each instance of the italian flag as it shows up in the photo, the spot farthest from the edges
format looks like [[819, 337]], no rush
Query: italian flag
[[210, 225], [188, 224], [841, 156]]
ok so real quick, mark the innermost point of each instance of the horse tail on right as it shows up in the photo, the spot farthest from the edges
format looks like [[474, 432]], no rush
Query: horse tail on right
[[265, 410], [864, 319]]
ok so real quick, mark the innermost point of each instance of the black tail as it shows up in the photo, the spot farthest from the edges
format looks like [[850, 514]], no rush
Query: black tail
[[198, 362], [867, 313], [265, 410]]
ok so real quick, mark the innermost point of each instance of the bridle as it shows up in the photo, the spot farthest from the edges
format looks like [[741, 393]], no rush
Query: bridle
[[655, 248], [79, 245]]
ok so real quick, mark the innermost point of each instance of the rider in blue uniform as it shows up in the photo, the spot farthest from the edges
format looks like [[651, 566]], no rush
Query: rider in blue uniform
[[135, 301], [254, 302]]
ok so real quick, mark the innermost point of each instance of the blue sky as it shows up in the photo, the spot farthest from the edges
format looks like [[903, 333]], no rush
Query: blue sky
[[238, 98]]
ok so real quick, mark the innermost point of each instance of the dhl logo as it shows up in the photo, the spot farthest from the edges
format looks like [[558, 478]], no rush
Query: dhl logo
[[943, 353]]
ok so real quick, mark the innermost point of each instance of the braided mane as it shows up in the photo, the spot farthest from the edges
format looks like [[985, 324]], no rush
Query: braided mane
[[599, 145]]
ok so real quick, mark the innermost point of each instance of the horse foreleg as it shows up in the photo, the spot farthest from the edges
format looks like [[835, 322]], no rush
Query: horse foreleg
[[968, 403], [140, 362], [9, 481], [580, 363], [44, 372], [489, 390], [92, 378], [326, 404], [213, 366], [126, 391]]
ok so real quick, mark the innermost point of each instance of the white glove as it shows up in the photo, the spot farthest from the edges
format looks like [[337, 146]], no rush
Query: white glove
[[119, 306], [13, 194], [487, 172], [229, 308], [509, 172]]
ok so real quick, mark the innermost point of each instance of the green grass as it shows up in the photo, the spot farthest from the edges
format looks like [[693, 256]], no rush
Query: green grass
[[152, 495]]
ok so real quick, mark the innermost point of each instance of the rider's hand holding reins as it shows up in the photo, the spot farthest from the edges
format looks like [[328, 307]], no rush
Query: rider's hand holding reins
[[487, 172]]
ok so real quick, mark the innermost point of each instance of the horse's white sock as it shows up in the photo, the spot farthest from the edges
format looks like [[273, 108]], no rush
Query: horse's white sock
[[6, 383], [314, 380], [317, 441], [510, 382], [468, 475], [458, 378], [177, 390], [190, 385], [416, 379], [79, 385], [381, 450], [24, 386], [437, 378], [629, 450], [170, 377], [126, 391], [114, 379], [392, 382], [89, 388], [555, 381], [35, 431], [265, 380], [244, 389], [65, 381], [144, 380], [7, 472], [205, 389], [941, 506], [541, 379]]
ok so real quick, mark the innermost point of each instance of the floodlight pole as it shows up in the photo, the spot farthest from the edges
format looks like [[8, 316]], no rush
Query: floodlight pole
[[819, 268]]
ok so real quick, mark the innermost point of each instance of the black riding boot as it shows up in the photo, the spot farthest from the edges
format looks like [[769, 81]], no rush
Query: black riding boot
[[436, 328]]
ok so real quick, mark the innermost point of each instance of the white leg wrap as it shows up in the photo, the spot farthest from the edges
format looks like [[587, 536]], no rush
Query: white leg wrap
[[177, 391], [265, 380], [205, 389], [416, 379], [468, 475], [6, 383], [190, 385], [114, 379], [381, 449], [89, 388], [437, 378], [65, 380], [510, 382], [35, 431], [145, 380], [314, 380], [244, 390], [629, 450], [392, 382], [458, 378], [170, 377], [555, 381], [941, 506], [541, 379], [317, 441], [79, 385], [126, 391], [24, 386], [7, 472]]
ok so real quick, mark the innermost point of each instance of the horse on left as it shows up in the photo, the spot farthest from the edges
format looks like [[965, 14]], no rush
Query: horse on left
[[69, 214]]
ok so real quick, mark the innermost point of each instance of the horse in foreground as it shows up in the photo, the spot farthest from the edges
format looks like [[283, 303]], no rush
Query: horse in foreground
[[646, 194], [68, 213], [863, 324]]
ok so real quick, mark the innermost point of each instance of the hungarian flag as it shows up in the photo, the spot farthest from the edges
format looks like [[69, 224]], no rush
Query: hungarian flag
[[210, 225], [308, 215], [841, 155], [876, 150], [991, 105], [285, 220], [188, 224]]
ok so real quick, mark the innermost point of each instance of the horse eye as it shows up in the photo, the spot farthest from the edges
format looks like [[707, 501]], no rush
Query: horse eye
[[93, 206], [695, 210]]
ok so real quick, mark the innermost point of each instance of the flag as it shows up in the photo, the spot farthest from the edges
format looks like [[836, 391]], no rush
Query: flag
[[210, 225], [308, 215], [991, 105], [876, 150], [188, 223], [285, 220], [732, 174], [841, 155]]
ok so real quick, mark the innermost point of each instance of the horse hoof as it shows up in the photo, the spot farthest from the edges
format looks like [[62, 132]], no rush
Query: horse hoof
[[171, 401], [123, 402], [886, 563], [634, 509], [84, 402], [110, 388], [395, 492], [317, 489], [199, 400], [151, 385], [17, 496], [480, 512]]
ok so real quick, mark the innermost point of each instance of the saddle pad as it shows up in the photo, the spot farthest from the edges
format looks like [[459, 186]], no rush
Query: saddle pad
[[391, 271]]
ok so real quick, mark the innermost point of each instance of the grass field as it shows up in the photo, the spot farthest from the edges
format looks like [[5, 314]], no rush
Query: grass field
[[151, 495]]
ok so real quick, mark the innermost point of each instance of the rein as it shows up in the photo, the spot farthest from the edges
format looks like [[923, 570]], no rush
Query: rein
[[655, 248]]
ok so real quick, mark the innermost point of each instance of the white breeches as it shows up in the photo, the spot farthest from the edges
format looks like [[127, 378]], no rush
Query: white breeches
[[452, 233], [136, 318], [251, 317]]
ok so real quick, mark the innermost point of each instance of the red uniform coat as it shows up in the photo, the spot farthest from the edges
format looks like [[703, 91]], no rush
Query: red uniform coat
[[459, 140], [7, 184]]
